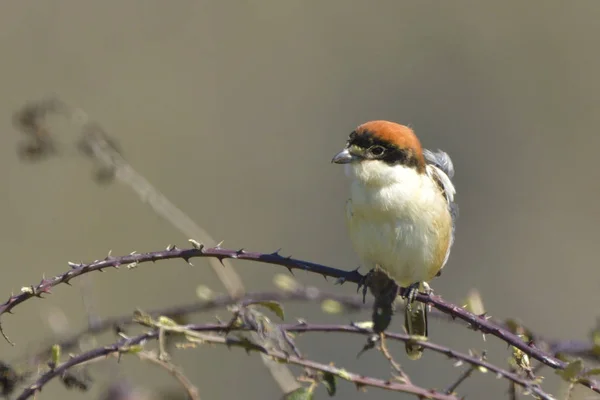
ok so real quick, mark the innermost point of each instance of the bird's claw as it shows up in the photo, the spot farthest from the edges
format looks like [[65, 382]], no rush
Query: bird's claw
[[410, 294], [364, 284]]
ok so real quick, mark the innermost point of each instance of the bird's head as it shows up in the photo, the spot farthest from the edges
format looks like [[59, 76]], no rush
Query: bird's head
[[377, 151]]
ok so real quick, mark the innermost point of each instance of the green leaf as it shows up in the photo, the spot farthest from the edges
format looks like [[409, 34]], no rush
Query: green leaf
[[274, 306], [331, 306], [474, 303], [133, 349], [143, 318], [302, 393], [572, 371], [56, 354], [167, 322], [330, 384]]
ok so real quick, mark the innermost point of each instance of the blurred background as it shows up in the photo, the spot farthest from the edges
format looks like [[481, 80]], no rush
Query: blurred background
[[234, 110]]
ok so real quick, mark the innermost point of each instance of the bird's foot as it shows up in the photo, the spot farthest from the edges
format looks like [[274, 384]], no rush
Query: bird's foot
[[364, 284], [411, 293]]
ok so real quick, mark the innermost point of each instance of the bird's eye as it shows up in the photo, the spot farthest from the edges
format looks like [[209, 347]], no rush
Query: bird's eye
[[376, 150]]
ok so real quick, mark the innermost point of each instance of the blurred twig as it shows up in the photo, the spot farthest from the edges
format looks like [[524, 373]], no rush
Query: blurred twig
[[98, 145], [191, 390], [402, 376], [466, 374], [512, 387]]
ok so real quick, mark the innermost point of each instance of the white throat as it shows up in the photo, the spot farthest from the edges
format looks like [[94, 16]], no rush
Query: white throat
[[376, 173]]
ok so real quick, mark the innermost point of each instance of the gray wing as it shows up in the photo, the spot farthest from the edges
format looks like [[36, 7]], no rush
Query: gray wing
[[441, 160], [441, 169]]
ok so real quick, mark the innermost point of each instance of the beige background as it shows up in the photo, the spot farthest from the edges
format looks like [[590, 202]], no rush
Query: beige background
[[234, 110]]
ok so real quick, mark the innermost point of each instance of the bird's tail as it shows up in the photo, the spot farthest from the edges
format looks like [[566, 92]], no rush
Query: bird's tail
[[415, 321]]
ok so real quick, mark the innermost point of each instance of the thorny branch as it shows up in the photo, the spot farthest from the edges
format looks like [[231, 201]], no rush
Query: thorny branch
[[291, 294], [307, 294], [132, 260], [477, 322]]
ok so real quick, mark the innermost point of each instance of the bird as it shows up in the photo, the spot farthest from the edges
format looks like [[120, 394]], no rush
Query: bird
[[401, 213]]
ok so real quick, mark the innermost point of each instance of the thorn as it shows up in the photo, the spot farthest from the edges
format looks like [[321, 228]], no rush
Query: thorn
[[240, 251], [276, 253], [218, 246], [73, 265], [187, 260], [109, 253], [291, 270], [171, 247], [133, 253], [325, 276], [220, 258]]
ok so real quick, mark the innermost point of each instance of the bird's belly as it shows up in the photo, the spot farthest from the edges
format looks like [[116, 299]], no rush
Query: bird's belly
[[403, 247]]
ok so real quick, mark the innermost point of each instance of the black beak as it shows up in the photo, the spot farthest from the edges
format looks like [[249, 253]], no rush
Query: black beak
[[343, 157]]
